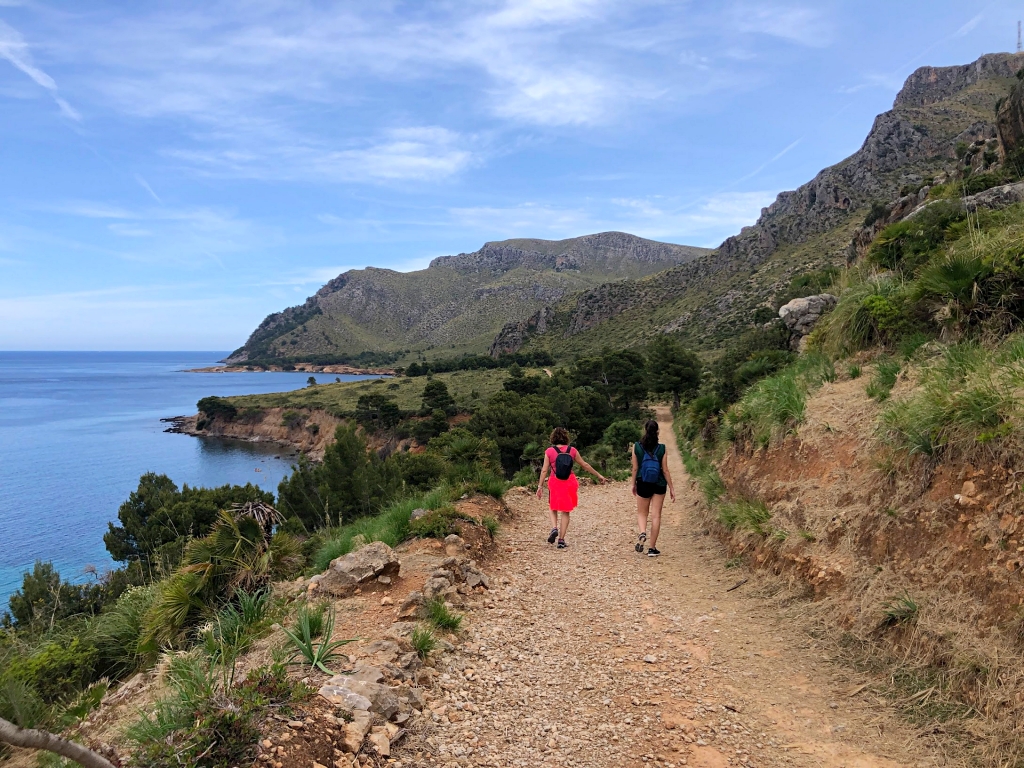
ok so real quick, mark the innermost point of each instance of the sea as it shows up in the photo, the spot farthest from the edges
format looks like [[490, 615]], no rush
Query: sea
[[77, 429]]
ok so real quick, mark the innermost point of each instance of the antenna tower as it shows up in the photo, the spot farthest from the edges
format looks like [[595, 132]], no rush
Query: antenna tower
[[1019, 47]]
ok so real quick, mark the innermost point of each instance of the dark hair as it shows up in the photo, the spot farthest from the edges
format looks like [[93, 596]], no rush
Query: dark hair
[[559, 436], [650, 439]]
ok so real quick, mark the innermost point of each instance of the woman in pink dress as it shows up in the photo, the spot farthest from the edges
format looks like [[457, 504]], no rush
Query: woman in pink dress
[[563, 486]]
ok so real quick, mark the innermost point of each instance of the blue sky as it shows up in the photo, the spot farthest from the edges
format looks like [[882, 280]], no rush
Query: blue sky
[[172, 172]]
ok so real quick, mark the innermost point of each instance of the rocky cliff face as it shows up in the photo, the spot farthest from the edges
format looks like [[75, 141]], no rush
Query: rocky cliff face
[[458, 302], [938, 108], [1010, 120]]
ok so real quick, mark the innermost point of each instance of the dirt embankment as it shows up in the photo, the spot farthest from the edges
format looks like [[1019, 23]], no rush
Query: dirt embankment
[[308, 431], [916, 559]]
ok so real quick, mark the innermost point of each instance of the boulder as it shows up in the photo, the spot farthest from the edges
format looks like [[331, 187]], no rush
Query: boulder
[[418, 513], [380, 742], [349, 571], [367, 673], [435, 586], [800, 315]]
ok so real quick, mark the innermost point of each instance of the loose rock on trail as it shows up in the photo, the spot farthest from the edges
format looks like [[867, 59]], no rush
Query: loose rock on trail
[[596, 656]]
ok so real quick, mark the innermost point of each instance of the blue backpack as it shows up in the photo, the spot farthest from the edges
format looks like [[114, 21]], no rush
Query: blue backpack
[[650, 467]]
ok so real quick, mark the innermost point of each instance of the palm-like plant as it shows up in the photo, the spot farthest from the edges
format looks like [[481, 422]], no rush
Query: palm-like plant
[[239, 554], [304, 639]]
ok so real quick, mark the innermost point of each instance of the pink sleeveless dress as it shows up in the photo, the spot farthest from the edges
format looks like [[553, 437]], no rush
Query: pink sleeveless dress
[[562, 494]]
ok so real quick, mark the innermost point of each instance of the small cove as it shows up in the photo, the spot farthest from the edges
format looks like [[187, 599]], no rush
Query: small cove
[[77, 429]]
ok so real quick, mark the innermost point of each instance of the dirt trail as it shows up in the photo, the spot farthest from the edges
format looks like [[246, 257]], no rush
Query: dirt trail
[[596, 656]]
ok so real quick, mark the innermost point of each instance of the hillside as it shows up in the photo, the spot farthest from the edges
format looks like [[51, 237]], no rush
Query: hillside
[[939, 112], [458, 303]]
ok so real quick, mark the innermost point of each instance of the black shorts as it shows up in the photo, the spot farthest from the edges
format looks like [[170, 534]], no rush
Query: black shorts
[[647, 490]]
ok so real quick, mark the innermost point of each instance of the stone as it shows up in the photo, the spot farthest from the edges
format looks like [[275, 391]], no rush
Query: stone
[[345, 698], [382, 699], [650, 659], [801, 315], [366, 673], [346, 573], [454, 545], [410, 661], [381, 743], [435, 586], [354, 732], [385, 580], [385, 650], [412, 606], [418, 513]]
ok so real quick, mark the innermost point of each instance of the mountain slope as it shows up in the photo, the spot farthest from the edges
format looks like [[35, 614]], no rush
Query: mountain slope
[[704, 301], [458, 302]]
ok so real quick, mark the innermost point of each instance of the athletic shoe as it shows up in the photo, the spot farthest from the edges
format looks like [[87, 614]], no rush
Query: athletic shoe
[[653, 552], [562, 544], [640, 540], [552, 536]]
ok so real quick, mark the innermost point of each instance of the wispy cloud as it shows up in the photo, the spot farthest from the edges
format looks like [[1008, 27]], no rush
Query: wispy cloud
[[15, 50], [804, 25]]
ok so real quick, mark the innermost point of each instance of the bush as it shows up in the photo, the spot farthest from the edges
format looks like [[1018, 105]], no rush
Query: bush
[[118, 633], [55, 669], [216, 408], [881, 384], [745, 515], [436, 524], [423, 641], [442, 617]]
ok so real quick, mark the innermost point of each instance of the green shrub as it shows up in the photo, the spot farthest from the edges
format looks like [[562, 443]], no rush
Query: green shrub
[[20, 703], [55, 668], [436, 524], [309, 627], [525, 477], [900, 610], [745, 515], [853, 371], [443, 617], [423, 641], [887, 371], [118, 633], [492, 525], [966, 402]]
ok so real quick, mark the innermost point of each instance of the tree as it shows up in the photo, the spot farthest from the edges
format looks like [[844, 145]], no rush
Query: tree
[[513, 421], [29, 738], [348, 483], [311, 381], [672, 369], [621, 376], [436, 396], [45, 598], [377, 411], [157, 513]]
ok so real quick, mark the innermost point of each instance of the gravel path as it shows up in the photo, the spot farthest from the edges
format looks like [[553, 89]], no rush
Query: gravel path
[[595, 656]]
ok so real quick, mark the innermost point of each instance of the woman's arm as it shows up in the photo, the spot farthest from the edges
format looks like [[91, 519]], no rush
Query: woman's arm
[[543, 474], [587, 468], [632, 477], [668, 476]]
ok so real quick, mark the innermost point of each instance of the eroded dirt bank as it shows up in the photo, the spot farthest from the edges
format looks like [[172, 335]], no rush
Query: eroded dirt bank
[[917, 565], [308, 431]]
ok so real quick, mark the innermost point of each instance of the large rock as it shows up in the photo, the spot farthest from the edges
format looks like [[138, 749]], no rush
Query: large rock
[[355, 731], [349, 571], [382, 699], [800, 315]]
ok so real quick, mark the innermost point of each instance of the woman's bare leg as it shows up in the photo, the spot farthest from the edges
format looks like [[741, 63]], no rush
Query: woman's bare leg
[[657, 502], [554, 518], [642, 508], [563, 524]]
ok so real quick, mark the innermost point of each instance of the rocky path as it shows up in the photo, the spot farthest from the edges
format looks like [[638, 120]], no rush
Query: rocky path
[[595, 656]]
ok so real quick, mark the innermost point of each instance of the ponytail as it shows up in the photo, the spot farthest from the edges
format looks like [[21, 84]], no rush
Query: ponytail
[[650, 439]]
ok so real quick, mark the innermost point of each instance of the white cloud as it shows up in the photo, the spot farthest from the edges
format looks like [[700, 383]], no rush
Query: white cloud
[[796, 24], [15, 50]]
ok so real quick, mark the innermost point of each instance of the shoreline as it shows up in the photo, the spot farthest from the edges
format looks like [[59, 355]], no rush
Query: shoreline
[[267, 429], [297, 368]]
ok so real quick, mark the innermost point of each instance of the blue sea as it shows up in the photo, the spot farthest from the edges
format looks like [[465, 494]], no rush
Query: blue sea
[[77, 429]]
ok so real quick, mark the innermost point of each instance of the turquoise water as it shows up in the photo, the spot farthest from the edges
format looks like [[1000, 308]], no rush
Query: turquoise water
[[78, 428]]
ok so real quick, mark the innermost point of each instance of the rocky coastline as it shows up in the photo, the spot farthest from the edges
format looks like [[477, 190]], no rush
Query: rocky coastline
[[296, 368]]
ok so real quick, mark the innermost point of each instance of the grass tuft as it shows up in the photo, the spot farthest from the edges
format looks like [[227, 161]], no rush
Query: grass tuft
[[423, 641], [900, 610], [442, 617]]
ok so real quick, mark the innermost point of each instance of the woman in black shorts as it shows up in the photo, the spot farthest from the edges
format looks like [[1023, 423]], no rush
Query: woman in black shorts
[[651, 479]]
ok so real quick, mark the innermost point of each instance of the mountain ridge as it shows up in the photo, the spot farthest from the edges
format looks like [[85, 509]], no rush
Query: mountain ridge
[[459, 302]]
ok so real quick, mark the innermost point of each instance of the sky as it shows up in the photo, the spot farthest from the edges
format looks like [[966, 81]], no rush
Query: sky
[[170, 173]]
